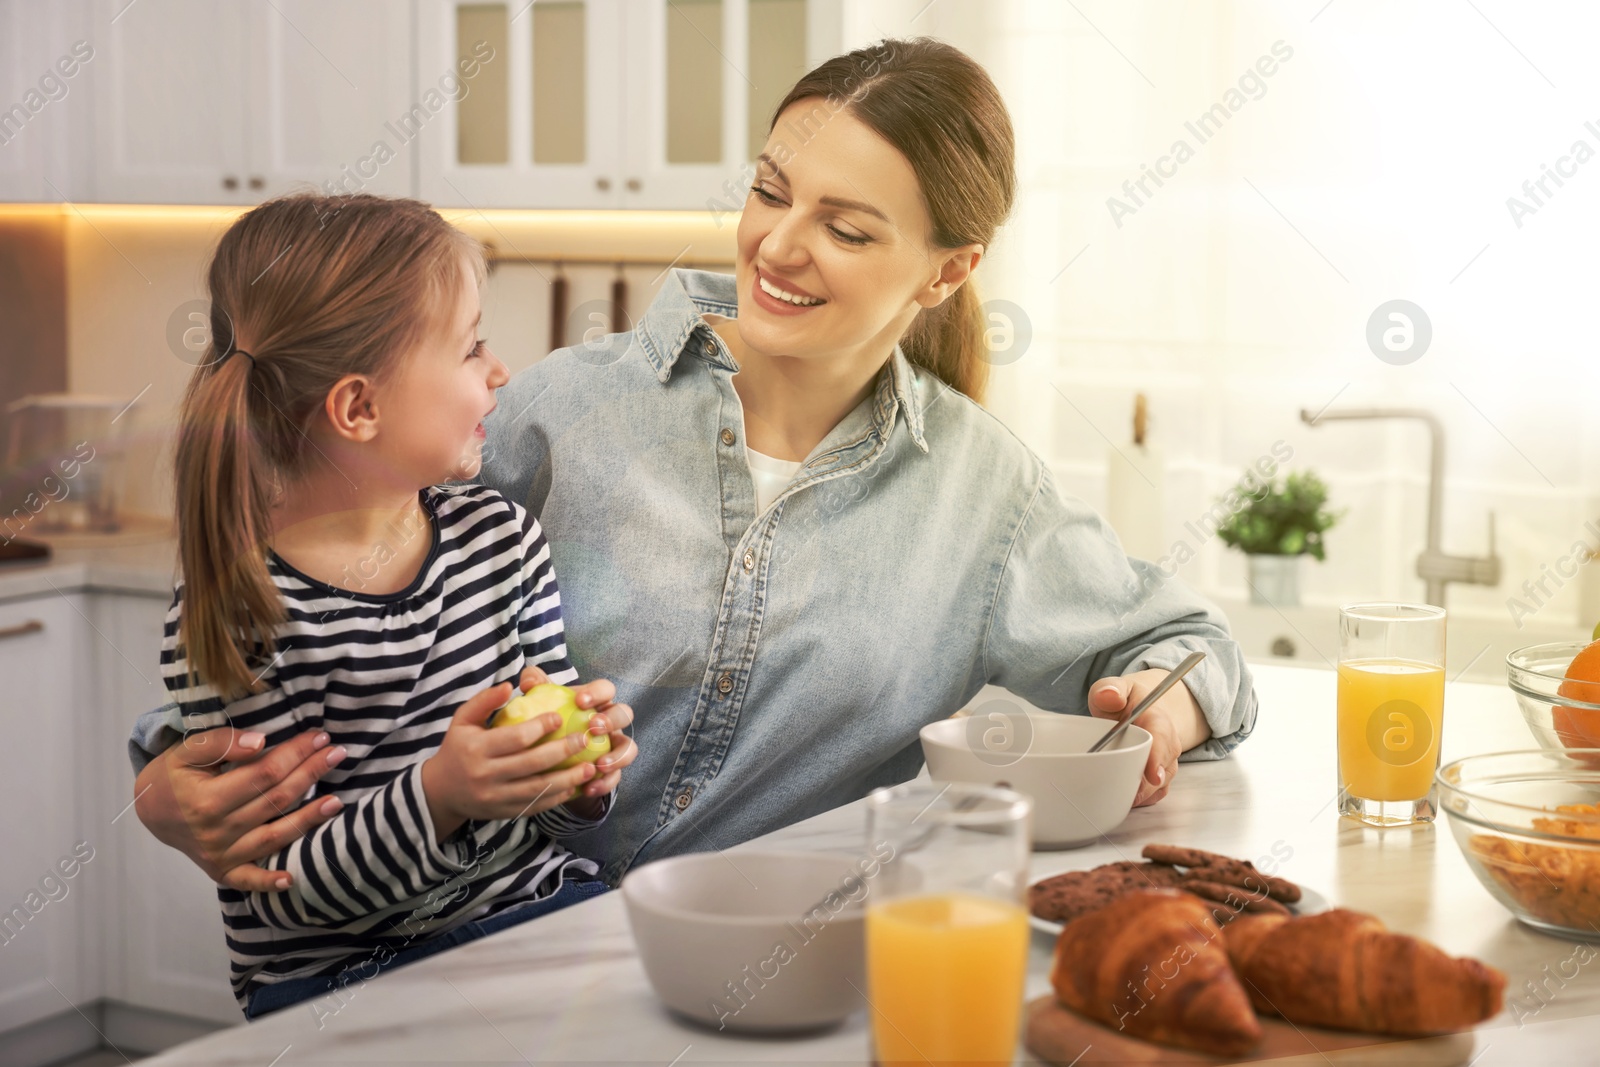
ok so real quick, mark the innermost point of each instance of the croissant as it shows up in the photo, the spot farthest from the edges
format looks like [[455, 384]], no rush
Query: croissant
[[1153, 964], [1343, 969]]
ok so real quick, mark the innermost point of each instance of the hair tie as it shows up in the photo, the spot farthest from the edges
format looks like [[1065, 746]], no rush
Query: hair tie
[[238, 351]]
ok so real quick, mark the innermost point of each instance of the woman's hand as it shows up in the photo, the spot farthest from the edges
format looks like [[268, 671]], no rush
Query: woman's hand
[[226, 819], [1174, 722]]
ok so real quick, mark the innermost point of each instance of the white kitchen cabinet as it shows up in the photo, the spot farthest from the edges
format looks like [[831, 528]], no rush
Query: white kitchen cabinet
[[161, 929], [535, 119], [170, 93], [22, 137], [231, 103], [506, 103], [45, 955], [611, 103], [92, 907], [45, 57], [329, 86]]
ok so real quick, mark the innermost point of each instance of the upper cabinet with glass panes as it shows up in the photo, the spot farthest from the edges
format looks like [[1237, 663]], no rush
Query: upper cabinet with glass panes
[[607, 103]]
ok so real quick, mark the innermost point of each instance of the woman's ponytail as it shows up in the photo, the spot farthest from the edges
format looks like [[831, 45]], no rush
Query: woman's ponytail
[[948, 340], [224, 498]]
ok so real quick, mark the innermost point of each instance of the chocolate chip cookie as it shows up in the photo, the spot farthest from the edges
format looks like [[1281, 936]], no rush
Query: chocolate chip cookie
[[1066, 896]]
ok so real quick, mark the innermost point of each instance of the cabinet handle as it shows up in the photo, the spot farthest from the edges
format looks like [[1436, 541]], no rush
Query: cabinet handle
[[32, 626], [258, 182], [603, 184], [230, 183], [634, 185]]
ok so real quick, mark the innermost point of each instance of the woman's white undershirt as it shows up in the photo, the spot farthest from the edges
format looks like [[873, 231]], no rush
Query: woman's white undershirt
[[772, 476]]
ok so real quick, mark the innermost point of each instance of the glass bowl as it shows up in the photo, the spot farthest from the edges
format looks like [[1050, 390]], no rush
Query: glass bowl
[[1558, 721], [1529, 825]]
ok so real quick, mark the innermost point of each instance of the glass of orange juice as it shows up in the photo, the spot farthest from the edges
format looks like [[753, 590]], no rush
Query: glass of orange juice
[[947, 930], [1391, 711]]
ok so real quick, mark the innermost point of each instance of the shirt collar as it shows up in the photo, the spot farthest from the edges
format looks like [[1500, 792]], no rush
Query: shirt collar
[[671, 324], [900, 389], [673, 318]]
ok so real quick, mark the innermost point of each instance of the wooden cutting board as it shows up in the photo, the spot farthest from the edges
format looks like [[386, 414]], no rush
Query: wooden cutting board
[[1063, 1037]]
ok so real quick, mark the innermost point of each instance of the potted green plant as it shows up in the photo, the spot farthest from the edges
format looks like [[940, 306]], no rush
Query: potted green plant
[[1274, 525]]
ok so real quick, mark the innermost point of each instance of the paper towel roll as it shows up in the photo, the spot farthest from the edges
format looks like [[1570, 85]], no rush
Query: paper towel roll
[[1134, 492]]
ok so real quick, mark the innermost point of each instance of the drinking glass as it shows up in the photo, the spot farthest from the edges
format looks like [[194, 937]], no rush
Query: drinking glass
[[1391, 711], [947, 929]]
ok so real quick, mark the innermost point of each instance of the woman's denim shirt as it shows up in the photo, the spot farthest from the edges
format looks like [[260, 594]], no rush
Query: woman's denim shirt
[[781, 664]]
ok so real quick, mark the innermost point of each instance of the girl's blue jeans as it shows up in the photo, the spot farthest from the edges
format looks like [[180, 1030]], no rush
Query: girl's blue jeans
[[271, 998]]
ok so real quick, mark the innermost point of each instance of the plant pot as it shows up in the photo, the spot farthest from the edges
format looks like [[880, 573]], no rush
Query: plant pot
[[1275, 580]]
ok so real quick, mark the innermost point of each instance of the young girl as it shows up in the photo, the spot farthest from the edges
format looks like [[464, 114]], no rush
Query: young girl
[[329, 581]]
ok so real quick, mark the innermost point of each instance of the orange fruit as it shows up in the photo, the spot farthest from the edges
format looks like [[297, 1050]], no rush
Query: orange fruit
[[1580, 727]]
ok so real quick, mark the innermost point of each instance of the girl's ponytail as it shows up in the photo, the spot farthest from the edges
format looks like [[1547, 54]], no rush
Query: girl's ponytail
[[305, 290], [224, 499]]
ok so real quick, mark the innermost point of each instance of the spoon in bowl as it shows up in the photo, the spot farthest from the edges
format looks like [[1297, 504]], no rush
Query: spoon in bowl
[[1155, 694]]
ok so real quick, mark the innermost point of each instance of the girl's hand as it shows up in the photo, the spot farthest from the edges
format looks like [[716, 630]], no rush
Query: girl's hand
[[532, 676], [609, 719], [226, 819], [1174, 723], [479, 773]]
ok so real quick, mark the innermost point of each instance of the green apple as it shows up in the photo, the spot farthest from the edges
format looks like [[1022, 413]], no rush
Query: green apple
[[543, 699]]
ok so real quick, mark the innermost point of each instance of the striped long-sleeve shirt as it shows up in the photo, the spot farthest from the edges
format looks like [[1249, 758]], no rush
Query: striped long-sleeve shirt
[[383, 674]]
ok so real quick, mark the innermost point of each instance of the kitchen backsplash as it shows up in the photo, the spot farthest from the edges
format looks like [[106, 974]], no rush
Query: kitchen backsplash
[[33, 325], [106, 298]]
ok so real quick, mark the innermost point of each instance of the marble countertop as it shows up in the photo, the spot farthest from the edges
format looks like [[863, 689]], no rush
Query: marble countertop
[[569, 987], [139, 559]]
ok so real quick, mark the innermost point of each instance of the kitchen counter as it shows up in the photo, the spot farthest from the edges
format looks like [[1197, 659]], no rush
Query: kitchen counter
[[569, 987], [139, 559]]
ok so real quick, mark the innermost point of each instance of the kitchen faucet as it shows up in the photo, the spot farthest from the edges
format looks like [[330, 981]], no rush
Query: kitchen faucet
[[1434, 566]]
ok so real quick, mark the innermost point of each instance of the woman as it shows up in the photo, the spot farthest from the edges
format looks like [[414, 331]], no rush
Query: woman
[[782, 523]]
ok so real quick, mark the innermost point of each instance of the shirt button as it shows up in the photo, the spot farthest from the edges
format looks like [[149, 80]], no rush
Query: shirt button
[[681, 801], [728, 438], [710, 348], [725, 683], [749, 560]]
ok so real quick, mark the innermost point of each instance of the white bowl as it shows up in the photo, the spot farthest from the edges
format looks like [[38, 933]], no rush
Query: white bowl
[[1077, 797], [753, 941]]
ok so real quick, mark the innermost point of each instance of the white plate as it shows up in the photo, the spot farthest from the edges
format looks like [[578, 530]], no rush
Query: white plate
[[1311, 903]]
